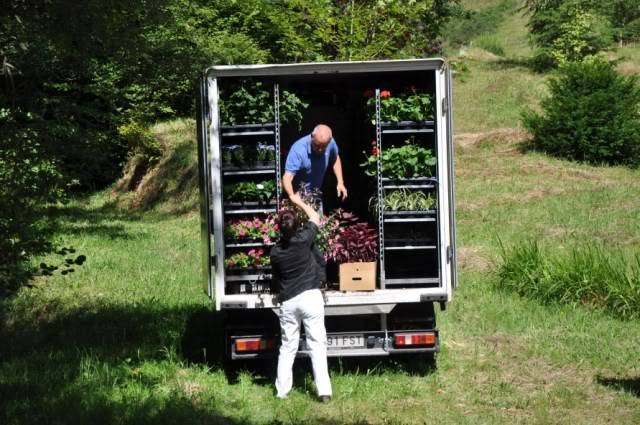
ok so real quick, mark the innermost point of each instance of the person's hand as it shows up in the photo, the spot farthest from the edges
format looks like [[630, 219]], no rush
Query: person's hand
[[296, 199], [342, 191]]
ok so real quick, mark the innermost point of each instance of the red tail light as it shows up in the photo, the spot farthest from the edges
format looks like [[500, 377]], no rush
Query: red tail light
[[409, 340], [254, 344]]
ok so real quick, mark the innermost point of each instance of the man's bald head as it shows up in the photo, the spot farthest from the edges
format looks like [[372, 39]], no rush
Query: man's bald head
[[320, 138]]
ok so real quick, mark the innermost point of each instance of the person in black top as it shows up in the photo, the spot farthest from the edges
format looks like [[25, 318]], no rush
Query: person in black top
[[297, 270]]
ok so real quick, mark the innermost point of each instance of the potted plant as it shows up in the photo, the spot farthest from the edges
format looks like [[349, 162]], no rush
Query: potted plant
[[249, 193], [265, 155], [251, 103], [254, 230], [404, 162], [253, 262], [405, 108], [355, 249]]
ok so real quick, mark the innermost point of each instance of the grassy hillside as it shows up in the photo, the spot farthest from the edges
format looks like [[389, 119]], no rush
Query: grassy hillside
[[128, 339]]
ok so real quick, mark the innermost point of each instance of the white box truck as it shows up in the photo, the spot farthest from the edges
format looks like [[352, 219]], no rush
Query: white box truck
[[416, 264]]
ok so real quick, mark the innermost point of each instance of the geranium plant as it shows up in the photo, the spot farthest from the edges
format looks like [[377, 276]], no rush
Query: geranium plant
[[251, 103], [406, 161], [242, 260], [256, 229], [406, 106]]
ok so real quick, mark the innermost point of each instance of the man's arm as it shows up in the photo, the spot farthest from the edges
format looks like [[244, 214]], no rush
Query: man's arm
[[287, 182], [337, 169]]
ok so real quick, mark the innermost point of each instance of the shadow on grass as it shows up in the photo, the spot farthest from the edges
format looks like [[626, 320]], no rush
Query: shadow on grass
[[630, 385], [104, 364]]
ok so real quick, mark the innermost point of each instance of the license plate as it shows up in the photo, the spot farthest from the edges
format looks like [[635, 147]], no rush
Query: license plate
[[345, 341]]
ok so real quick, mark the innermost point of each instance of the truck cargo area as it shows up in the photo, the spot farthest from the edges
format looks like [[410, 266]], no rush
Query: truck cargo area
[[415, 267]]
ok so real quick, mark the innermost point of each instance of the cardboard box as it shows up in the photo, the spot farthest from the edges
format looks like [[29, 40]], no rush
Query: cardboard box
[[358, 276]]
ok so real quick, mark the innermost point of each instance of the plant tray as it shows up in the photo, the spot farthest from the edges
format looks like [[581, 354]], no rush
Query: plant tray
[[246, 243], [406, 124], [407, 214], [409, 180], [391, 242], [248, 271], [250, 166], [250, 204], [248, 129], [248, 288]]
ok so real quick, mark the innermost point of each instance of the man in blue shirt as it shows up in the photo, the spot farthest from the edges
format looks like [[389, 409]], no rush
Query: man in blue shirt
[[308, 160]]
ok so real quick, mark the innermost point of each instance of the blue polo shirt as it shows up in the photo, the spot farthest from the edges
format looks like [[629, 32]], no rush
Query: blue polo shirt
[[307, 166]]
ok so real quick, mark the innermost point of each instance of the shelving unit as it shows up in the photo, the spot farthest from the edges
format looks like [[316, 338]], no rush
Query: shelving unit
[[251, 281], [406, 261]]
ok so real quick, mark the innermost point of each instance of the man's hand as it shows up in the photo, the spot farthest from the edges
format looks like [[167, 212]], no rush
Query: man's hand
[[342, 191]]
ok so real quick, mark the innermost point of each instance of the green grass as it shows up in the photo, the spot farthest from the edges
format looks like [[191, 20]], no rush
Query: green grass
[[594, 275], [129, 338], [493, 95]]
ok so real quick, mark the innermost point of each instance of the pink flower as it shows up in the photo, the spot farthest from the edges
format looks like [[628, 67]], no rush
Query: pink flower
[[242, 232]]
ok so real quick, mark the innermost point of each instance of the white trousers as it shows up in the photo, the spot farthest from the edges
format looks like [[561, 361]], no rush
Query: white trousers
[[308, 308]]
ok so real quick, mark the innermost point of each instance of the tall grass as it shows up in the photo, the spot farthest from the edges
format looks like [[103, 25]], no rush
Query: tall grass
[[590, 274]]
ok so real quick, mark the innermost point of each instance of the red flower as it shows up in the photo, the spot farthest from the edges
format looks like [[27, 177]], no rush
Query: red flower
[[385, 93], [368, 93], [374, 151]]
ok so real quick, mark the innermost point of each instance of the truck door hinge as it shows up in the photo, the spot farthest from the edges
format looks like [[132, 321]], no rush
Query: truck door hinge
[[449, 254], [445, 105], [214, 259]]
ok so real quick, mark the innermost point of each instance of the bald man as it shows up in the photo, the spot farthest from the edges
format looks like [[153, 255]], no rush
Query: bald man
[[308, 160]]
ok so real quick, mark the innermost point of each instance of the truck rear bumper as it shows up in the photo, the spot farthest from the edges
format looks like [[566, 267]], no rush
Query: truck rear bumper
[[376, 344]]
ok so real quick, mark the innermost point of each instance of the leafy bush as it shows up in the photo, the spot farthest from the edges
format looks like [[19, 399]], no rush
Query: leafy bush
[[566, 30], [586, 274], [29, 181], [468, 24], [592, 115], [141, 140]]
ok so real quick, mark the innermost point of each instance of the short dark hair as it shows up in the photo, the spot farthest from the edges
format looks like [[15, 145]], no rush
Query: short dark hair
[[287, 224]]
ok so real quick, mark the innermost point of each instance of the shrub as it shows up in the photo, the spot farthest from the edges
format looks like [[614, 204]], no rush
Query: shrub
[[566, 30], [29, 181], [589, 274], [592, 115], [141, 140]]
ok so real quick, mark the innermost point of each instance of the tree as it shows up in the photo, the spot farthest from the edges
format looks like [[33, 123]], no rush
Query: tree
[[592, 114]]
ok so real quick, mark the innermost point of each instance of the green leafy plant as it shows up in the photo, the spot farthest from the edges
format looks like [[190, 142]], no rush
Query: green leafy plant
[[590, 115], [140, 140], [251, 103], [406, 161], [409, 200], [265, 152], [408, 106], [250, 191]]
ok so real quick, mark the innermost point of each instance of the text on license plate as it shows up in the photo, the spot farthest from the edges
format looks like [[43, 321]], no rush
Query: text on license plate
[[345, 341]]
